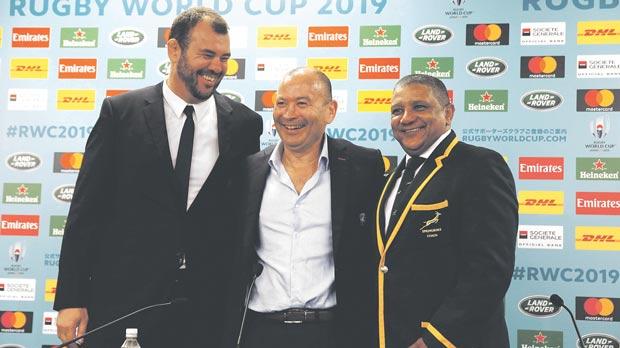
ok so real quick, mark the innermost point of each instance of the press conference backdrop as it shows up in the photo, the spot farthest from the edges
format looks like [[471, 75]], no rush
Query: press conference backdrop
[[536, 80]]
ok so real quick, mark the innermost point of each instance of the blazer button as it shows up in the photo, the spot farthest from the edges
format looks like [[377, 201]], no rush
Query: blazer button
[[384, 269]]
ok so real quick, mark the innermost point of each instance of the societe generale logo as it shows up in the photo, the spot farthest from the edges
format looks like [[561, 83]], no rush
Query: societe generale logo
[[276, 37], [374, 100], [541, 168], [30, 37], [328, 36], [541, 202]]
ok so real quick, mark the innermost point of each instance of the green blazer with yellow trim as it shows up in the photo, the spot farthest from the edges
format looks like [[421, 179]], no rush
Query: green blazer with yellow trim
[[445, 264]]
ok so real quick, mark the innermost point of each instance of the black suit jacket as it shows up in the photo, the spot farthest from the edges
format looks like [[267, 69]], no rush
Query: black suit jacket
[[356, 174], [450, 255], [127, 222]]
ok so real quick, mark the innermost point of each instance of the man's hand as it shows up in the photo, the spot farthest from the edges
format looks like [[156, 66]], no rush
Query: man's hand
[[71, 323], [418, 344]]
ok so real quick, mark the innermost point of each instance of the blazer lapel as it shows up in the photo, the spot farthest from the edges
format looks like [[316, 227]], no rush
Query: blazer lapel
[[339, 169], [224, 124], [256, 173], [388, 190]]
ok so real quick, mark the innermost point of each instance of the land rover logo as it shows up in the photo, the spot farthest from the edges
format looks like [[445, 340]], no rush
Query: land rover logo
[[486, 67], [233, 95], [432, 35], [64, 193], [541, 100], [23, 161], [538, 306], [127, 37], [164, 68], [595, 340]]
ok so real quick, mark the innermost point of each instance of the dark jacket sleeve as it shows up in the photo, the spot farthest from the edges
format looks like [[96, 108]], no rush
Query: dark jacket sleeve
[[86, 218], [488, 222]]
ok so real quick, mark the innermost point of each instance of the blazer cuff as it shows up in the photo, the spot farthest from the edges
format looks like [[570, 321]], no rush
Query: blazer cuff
[[433, 338]]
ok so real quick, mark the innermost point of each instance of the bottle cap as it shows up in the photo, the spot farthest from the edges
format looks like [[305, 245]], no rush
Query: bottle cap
[[131, 332]]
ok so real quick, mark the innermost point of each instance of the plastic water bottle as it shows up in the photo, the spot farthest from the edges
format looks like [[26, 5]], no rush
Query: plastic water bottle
[[131, 339]]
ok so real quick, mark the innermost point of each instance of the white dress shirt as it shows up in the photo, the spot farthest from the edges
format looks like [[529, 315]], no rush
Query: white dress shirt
[[295, 241], [205, 149], [389, 203]]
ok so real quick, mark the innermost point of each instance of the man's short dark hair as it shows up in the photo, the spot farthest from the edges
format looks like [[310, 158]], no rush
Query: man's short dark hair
[[439, 89], [324, 81], [187, 20]]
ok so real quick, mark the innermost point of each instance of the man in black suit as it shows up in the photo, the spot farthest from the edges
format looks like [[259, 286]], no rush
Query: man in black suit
[[306, 205], [445, 228], [151, 219]]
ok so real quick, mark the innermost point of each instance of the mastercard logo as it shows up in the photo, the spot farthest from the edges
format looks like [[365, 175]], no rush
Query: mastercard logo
[[487, 32], [599, 98], [71, 160], [13, 320], [232, 68], [264, 100], [598, 307], [545, 65]]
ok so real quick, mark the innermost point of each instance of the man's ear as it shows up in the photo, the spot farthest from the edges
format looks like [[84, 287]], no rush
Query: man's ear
[[449, 113], [174, 50]]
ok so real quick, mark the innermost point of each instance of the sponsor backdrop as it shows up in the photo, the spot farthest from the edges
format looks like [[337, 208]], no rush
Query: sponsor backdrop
[[536, 80]]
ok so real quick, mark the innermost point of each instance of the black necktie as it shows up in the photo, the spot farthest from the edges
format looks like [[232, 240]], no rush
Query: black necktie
[[184, 155], [407, 177]]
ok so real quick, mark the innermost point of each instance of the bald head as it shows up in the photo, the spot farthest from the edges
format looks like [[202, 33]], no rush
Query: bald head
[[320, 81]]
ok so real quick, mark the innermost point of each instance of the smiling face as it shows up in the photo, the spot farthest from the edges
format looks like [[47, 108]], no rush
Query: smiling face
[[418, 119], [302, 111], [197, 70]]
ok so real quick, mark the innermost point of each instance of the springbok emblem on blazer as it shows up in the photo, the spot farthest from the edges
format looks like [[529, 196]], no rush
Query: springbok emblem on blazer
[[431, 221]]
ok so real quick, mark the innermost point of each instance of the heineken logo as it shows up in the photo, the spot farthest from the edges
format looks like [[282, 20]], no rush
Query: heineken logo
[[541, 100], [439, 67], [126, 68], [380, 36], [127, 37], [486, 100], [432, 35], [486, 67], [57, 225], [78, 37], [21, 193], [64, 193], [600, 340], [595, 168], [23, 161], [539, 339]]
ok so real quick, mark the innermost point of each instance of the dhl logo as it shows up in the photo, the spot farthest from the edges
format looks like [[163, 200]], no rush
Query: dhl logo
[[29, 68], [334, 68], [374, 101], [270, 37], [598, 33], [541, 202], [597, 238], [75, 99]]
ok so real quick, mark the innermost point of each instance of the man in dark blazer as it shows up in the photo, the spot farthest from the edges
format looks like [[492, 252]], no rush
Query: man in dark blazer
[[306, 205], [445, 230], [137, 232]]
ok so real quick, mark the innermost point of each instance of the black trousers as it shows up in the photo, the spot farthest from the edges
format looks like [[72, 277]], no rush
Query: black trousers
[[268, 333]]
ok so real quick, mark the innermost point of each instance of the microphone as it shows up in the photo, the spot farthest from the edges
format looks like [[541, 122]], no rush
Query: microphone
[[174, 302], [557, 301], [256, 271]]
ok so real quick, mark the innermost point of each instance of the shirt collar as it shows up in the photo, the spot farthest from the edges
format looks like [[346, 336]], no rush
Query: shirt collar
[[426, 154], [178, 104], [275, 160]]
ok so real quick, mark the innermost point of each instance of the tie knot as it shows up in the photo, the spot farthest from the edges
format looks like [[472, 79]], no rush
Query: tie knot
[[414, 162], [189, 111]]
